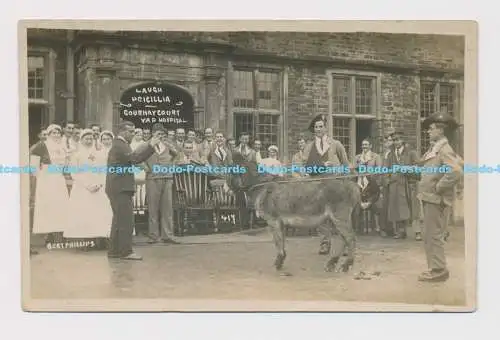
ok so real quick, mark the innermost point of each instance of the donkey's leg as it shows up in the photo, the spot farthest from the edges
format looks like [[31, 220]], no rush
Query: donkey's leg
[[278, 231], [336, 243], [345, 229], [336, 250]]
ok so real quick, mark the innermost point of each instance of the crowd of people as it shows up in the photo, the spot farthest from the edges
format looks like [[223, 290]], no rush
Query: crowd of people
[[75, 206], [92, 205]]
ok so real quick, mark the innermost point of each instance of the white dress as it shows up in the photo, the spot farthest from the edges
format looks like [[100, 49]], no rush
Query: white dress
[[140, 180], [51, 195], [91, 213], [273, 166]]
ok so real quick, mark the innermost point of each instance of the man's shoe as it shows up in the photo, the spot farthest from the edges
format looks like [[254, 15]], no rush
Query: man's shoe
[[435, 276], [446, 236], [132, 257], [113, 255], [400, 236], [33, 251], [170, 241]]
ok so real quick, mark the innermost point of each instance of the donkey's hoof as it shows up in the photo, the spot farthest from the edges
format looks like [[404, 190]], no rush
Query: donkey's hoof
[[280, 259], [331, 264], [346, 265]]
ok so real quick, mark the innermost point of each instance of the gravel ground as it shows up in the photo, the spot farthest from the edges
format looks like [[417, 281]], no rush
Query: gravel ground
[[240, 267]]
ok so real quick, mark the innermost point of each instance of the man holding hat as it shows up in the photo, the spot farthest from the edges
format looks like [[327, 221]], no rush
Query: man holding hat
[[324, 151], [159, 188], [436, 191]]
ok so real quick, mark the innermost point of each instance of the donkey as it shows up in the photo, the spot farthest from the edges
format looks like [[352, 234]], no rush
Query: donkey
[[328, 203]]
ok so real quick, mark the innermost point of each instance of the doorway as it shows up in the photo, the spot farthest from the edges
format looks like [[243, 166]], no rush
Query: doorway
[[364, 129], [35, 122]]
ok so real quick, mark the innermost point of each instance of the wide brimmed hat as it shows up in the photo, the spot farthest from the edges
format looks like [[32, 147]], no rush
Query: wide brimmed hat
[[320, 117], [440, 117]]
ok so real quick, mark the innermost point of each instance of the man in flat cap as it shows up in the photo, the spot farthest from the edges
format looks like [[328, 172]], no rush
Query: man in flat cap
[[436, 191], [324, 151]]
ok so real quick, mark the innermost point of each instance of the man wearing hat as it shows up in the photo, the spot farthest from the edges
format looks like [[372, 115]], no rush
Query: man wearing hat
[[436, 191], [159, 189], [323, 151]]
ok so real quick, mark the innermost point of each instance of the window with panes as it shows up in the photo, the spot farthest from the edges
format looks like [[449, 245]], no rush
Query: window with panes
[[435, 97], [257, 105], [36, 77], [354, 110]]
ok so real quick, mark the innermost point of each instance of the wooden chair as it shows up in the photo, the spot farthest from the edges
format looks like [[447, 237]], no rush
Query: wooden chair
[[140, 208], [229, 207], [193, 203]]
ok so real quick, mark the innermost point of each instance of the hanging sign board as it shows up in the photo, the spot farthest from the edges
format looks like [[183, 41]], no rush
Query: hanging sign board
[[148, 104]]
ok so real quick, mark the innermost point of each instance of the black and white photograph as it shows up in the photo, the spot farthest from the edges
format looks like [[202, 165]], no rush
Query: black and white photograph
[[244, 166]]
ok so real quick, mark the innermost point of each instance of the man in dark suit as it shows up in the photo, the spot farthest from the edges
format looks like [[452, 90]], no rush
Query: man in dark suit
[[120, 188], [219, 154], [244, 148]]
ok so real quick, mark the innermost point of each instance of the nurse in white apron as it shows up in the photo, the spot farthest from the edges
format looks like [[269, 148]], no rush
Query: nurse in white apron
[[51, 193]]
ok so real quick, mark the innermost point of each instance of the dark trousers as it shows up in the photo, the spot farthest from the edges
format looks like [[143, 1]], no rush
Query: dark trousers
[[385, 225], [122, 226]]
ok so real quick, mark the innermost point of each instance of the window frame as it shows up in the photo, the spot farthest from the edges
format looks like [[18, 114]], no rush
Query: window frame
[[49, 92], [353, 116], [457, 107], [282, 73]]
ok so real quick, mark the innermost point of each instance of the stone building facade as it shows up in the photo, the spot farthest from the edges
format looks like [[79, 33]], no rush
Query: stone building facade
[[269, 84]]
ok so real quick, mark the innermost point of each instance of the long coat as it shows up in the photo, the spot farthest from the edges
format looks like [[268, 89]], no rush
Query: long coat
[[401, 189]]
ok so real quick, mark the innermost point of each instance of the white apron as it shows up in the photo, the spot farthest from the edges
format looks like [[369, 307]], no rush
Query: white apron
[[140, 181], [51, 197], [90, 213]]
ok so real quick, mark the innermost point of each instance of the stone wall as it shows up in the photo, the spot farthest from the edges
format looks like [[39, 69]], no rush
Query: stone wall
[[419, 50], [105, 68]]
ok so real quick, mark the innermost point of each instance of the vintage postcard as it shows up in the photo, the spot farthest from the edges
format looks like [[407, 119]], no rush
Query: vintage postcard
[[248, 165]]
